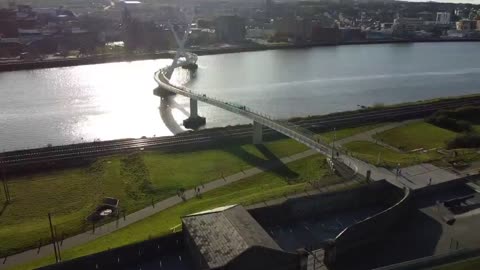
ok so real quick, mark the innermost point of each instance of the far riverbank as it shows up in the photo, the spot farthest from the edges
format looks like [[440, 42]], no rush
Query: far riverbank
[[100, 59]]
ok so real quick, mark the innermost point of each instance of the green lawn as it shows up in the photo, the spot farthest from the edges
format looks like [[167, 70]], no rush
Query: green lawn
[[70, 195], [373, 153], [416, 135], [470, 264], [348, 132], [265, 186]]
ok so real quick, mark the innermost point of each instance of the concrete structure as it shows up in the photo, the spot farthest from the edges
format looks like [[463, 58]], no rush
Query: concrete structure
[[443, 18], [257, 133], [284, 234], [194, 120]]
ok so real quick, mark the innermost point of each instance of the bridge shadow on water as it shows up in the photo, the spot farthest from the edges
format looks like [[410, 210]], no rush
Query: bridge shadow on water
[[270, 163], [165, 109]]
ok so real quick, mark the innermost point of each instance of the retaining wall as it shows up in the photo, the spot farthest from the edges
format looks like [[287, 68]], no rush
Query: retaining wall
[[119, 258], [369, 230], [433, 261], [291, 209]]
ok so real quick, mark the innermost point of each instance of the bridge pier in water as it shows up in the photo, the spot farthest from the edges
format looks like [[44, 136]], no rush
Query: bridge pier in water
[[257, 133], [194, 121]]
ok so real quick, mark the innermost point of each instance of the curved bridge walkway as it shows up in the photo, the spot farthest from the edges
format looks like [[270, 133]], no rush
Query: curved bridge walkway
[[295, 132], [302, 135]]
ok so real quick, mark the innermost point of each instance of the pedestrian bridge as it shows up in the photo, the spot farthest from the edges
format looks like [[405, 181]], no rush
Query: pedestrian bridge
[[299, 134], [302, 135]]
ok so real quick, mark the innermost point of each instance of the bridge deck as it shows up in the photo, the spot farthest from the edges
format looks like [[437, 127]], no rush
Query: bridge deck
[[297, 133]]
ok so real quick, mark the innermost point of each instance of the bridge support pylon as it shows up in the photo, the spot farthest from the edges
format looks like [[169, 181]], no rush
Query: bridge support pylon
[[194, 121], [257, 133]]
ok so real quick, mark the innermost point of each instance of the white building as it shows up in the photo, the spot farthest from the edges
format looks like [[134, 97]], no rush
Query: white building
[[443, 18]]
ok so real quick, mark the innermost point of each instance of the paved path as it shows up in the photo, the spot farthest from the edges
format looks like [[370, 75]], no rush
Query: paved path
[[85, 237], [368, 135], [361, 168], [378, 173]]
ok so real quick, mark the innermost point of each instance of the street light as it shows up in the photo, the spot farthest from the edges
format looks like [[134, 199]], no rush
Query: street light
[[333, 142]]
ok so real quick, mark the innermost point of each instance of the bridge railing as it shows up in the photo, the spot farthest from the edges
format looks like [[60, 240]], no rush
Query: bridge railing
[[296, 132]]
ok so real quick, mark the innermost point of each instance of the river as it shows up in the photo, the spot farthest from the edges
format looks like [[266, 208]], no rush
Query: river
[[111, 101]]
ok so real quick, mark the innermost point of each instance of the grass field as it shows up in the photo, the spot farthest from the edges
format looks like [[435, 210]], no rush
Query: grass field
[[373, 153], [265, 186], [471, 264], [416, 135], [348, 132], [70, 195]]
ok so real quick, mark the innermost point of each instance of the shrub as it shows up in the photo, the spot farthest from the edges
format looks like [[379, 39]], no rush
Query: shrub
[[443, 121], [469, 140]]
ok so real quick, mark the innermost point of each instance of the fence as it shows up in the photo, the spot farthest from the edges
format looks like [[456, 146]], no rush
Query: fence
[[120, 257], [435, 260], [370, 229], [293, 209]]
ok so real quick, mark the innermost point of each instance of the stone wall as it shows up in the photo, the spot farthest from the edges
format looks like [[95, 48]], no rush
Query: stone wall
[[129, 255], [317, 204], [371, 229]]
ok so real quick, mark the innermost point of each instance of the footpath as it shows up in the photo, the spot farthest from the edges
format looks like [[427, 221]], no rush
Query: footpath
[[37, 253], [362, 167]]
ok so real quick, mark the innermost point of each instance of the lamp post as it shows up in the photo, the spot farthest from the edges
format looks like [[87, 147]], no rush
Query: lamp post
[[333, 142]]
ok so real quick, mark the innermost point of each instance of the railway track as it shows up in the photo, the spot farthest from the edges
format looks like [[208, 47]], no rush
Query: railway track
[[97, 149]]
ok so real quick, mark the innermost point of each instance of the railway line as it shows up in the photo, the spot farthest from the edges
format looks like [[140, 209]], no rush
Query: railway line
[[320, 123]]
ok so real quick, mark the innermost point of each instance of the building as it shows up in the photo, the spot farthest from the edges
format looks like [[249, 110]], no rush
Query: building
[[259, 33], [386, 26], [230, 238], [407, 24], [10, 47], [352, 34], [460, 12], [443, 18], [378, 35], [466, 25], [284, 27], [426, 15], [326, 34], [8, 23], [294, 28], [303, 29], [230, 29]]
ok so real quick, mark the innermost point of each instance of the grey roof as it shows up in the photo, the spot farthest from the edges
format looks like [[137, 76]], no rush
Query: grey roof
[[223, 234]]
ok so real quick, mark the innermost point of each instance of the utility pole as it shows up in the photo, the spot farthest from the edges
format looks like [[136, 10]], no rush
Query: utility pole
[[5, 186], [54, 243], [334, 138]]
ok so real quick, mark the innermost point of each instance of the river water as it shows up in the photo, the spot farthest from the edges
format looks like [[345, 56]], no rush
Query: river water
[[110, 101]]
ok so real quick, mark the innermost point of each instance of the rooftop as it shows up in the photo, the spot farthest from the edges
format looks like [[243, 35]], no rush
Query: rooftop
[[222, 234]]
